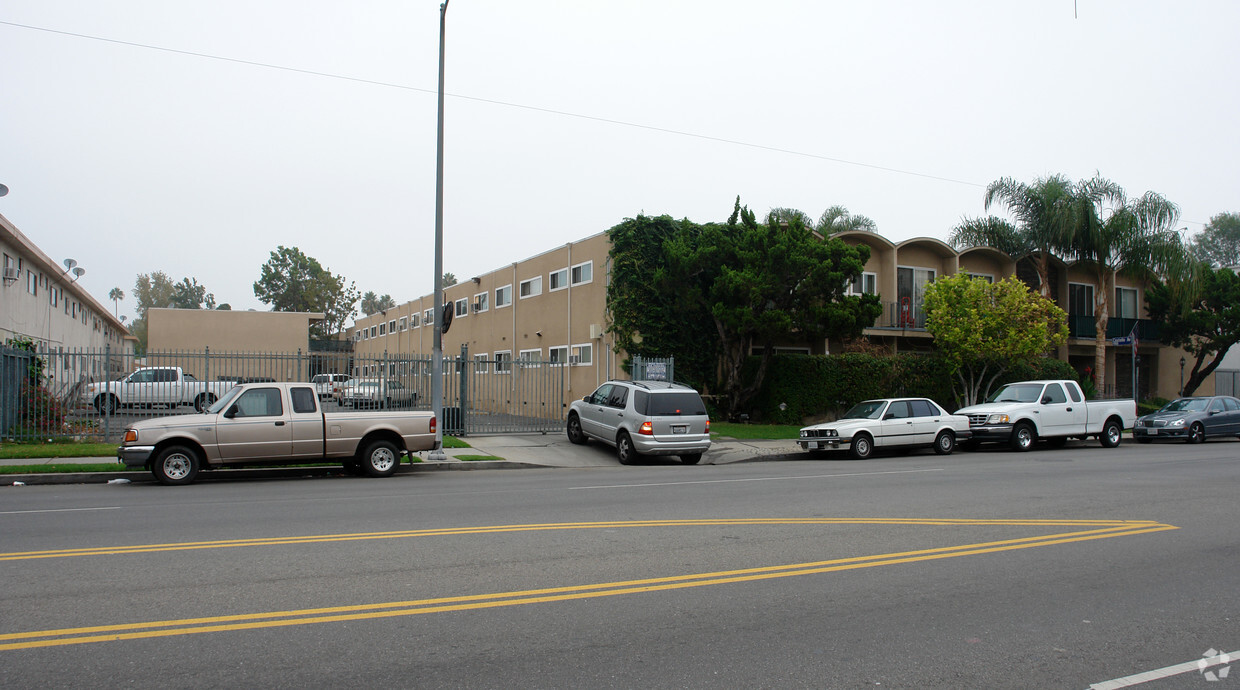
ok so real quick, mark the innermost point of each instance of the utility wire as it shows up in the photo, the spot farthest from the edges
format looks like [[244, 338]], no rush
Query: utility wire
[[507, 104]]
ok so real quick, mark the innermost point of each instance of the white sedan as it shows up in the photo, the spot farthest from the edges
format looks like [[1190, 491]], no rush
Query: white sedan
[[888, 423]]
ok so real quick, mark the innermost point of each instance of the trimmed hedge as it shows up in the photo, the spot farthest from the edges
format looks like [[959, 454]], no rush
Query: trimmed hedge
[[801, 387]]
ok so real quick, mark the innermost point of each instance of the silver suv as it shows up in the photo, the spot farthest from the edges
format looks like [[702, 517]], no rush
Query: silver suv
[[643, 418]]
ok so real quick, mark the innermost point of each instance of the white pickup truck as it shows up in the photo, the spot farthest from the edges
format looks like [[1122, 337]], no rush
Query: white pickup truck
[[155, 386], [274, 423], [1018, 414]]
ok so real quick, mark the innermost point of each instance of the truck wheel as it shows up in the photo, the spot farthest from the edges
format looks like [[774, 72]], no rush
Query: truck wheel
[[106, 404], [381, 459], [575, 434], [945, 443], [1023, 437], [203, 401], [624, 449], [175, 466], [1111, 434], [862, 446]]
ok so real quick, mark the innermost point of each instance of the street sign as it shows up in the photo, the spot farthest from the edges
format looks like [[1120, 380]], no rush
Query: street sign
[[1122, 340]]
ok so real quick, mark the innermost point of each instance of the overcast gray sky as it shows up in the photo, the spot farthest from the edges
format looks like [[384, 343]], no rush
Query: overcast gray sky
[[130, 145]]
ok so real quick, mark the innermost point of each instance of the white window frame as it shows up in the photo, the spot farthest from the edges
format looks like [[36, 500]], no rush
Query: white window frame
[[32, 282], [1136, 303], [988, 277], [1092, 301], [404, 324], [374, 332], [557, 356], [580, 269], [873, 278], [357, 336], [530, 357], [576, 351], [503, 296], [551, 280], [392, 326], [428, 317], [481, 363], [535, 287], [415, 320], [481, 299], [382, 328], [501, 357], [462, 307]]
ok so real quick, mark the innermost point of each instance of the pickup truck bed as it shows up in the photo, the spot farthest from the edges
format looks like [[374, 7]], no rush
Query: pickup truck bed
[[273, 423]]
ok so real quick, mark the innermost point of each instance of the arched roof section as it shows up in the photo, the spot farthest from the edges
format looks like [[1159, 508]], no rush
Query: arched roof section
[[989, 253], [870, 239], [937, 246]]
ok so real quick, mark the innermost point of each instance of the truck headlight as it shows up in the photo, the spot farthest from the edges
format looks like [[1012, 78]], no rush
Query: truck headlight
[[998, 419]]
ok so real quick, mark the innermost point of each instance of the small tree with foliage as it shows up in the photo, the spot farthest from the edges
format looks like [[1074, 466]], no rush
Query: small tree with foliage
[[292, 281], [1203, 319], [984, 329]]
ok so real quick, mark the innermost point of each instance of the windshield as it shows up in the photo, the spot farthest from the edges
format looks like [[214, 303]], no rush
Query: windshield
[[1186, 405], [870, 409], [223, 403], [1018, 392]]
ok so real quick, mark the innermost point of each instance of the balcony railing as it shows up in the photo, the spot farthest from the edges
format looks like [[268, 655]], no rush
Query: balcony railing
[[905, 314], [1084, 326]]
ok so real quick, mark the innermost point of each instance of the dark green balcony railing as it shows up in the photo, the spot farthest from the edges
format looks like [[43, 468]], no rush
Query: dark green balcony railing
[[1084, 326]]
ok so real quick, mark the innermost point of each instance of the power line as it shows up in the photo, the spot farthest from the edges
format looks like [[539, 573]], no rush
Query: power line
[[507, 104]]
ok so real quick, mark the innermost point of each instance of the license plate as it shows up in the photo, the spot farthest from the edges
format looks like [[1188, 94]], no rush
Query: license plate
[[1153, 432], [680, 428]]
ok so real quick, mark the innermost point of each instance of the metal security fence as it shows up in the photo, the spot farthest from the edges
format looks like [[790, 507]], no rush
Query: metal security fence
[[91, 395]]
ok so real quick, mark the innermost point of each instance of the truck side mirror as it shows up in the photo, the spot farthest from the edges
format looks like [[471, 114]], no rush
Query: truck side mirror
[[1046, 400]]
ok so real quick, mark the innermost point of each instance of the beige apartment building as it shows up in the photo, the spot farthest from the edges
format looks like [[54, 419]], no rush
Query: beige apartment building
[[552, 307]]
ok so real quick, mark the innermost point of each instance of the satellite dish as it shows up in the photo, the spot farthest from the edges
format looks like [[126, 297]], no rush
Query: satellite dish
[[78, 273], [3, 190], [69, 264]]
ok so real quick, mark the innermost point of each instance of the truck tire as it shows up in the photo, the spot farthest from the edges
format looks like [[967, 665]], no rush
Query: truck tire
[[106, 404], [203, 401], [1111, 434], [176, 466], [862, 446], [1023, 437], [381, 459]]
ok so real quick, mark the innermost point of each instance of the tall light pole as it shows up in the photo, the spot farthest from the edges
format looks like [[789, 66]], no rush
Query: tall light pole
[[437, 347]]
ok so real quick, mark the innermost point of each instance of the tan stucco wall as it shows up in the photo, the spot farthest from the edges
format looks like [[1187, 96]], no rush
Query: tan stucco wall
[[228, 331]]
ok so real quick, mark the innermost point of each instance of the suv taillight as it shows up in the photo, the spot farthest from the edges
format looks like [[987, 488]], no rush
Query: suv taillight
[[646, 429], [708, 426]]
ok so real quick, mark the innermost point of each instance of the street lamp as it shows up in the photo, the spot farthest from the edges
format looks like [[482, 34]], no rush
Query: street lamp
[[1181, 376], [437, 347]]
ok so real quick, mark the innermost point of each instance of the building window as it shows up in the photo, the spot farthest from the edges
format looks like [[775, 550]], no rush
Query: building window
[[582, 354], [503, 362], [583, 273], [503, 296], [392, 326], [480, 302], [559, 280], [864, 284], [428, 317], [32, 282], [462, 307], [531, 287], [530, 358], [980, 276], [374, 330], [383, 329], [1080, 299], [52, 296], [558, 356], [1126, 303], [414, 320], [910, 293], [357, 336], [404, 324], [481, 363]]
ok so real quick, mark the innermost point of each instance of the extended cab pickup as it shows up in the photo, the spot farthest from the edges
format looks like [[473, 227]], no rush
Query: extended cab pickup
[[151, 386], [273, 423], [1018, 414]]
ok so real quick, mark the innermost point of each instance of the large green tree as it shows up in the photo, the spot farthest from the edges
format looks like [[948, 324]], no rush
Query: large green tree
[[763, 284], [157, 290], [984, 329], [1115, 235], [1218, 243], [1042, 222], [1203, 319], [372, 303], [293, 281]]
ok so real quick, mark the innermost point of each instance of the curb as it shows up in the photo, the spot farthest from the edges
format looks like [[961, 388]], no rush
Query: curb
[[144, 477]]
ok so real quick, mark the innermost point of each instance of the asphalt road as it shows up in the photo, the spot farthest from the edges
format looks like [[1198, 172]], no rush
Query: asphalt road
[[1050, 569]]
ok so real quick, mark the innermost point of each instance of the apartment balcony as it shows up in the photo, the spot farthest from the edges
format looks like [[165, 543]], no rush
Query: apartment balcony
[[1084, 326], [904, 315]]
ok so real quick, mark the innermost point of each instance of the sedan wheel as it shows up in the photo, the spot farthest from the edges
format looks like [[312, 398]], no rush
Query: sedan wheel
[[945, 443], [862, 446], [1196, 433]]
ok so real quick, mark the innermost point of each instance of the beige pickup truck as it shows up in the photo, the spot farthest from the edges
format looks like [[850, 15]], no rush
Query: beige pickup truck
[[273, 423]]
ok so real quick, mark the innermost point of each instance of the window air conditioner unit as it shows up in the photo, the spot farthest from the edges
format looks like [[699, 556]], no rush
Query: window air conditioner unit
[[477, 306], [574, 359], [12, 273], [596, 331]]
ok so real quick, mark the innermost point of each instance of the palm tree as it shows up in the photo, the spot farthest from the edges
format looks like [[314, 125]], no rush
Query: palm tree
[[1116, 235], [116, 295], [1042, 212], [838, 219]]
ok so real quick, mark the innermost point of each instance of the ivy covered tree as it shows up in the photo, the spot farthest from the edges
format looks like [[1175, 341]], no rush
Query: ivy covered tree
[[734, 288], [984, 329], [1203, 319]]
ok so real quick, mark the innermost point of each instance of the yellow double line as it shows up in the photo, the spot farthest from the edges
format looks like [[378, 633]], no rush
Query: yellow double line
[[1103, 529]]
